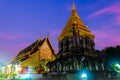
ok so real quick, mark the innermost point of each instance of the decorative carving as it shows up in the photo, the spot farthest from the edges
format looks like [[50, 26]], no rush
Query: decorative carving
[[60, 47], [70, 44]]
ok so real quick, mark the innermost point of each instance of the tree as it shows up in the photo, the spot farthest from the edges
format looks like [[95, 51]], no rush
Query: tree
[[112, 56], [112, 53], [43, 64]]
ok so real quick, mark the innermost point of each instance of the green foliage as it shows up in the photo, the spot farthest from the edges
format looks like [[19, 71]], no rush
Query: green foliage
[[1, 75], [97, 52], [112, 57], [112, 53], [43, 64]]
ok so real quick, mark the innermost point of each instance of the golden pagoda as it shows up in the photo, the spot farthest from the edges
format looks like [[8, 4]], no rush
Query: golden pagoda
[[76, 47], [76, 55], [75, 26], [75, 37]]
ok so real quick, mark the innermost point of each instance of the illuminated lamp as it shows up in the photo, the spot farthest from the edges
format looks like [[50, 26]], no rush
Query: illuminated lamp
[[84, 75]]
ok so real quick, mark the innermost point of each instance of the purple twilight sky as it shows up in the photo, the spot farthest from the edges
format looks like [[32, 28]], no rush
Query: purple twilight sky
[[23, 21]]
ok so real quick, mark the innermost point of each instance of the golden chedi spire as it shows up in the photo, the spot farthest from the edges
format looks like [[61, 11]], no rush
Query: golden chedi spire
[[73, 6], [76, 23]]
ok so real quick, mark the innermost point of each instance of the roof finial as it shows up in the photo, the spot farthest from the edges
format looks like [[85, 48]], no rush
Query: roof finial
[[73, 6], [48, 34], [40, 38]]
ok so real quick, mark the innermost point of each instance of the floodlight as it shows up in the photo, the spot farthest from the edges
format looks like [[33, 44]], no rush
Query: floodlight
[[84, 75]]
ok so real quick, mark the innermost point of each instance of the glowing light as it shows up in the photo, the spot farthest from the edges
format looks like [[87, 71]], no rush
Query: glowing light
[[117, 65], [3, 67], [9, 65], [9, 68], [3, 70], [27, 75], [84, 75], [18, 68]]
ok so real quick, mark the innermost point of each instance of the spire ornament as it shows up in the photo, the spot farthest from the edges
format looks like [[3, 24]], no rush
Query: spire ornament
[[81, 29], [73, 6], [40, 38]]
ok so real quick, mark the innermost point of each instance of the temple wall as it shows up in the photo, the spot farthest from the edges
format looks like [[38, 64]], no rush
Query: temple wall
[[76, 76], [46, 53]]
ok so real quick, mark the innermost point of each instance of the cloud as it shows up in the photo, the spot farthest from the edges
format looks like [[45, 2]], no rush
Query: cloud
[[9, 52], [107, 34], [8, 36], [118, 19], [113, 10], [11, 44], [18, 47], [105, 38]]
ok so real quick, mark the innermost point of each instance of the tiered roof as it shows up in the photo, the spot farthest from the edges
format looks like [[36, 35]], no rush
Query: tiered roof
[[75, 20], [31, 49]]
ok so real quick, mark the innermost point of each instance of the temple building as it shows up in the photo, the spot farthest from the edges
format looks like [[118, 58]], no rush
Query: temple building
[[76, 49], [30, 58], [76, 45], [76, 38], [76, 55]]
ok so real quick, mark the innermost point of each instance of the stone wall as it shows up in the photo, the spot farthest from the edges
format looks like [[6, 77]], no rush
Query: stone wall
[[76, 76]]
